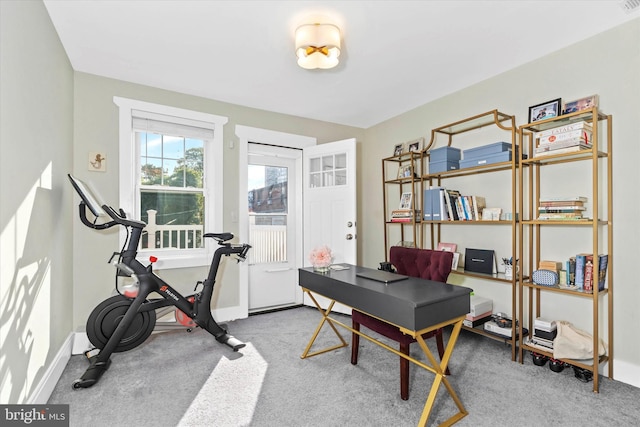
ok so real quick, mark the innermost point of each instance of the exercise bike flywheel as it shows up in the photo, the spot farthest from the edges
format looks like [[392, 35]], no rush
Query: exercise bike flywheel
[[104, 320]]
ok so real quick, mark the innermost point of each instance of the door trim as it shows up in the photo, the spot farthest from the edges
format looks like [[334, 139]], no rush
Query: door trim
[[245, 135]]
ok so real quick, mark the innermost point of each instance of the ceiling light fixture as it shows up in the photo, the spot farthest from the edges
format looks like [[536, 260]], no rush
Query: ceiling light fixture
[[317, 46]]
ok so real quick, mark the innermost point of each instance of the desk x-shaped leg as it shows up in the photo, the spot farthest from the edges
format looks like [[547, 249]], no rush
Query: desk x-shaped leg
[[437, 368], [325, 318]]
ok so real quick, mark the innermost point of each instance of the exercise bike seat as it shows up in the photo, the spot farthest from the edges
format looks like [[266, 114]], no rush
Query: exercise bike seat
[[220, 237]]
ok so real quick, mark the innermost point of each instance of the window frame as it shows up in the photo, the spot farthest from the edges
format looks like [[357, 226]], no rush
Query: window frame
[[213, 175]]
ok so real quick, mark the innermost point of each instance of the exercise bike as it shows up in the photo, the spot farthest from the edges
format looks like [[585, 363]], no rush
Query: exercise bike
[[124, 321]]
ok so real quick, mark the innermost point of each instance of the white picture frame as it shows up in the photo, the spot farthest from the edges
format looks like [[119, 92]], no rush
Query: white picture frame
[[405, 200]]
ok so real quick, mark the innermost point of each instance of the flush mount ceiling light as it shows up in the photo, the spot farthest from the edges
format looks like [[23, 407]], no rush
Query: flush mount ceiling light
[[317, 46]]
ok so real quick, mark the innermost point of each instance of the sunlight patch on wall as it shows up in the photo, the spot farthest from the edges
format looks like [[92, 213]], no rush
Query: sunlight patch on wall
[[25, 293]]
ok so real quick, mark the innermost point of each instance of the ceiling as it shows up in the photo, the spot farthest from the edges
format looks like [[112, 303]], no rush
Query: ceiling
[[396, 55]]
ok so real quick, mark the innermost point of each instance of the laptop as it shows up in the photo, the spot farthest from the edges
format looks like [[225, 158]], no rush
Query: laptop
[[381, 276]]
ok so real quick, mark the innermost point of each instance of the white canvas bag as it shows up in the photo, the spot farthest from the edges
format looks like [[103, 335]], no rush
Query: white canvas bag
[[574, 343]]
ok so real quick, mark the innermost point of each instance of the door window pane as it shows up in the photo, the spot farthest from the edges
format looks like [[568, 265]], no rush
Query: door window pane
[[268, 210]]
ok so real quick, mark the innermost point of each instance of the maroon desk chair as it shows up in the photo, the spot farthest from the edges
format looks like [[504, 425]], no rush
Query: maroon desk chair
[[423, 263]]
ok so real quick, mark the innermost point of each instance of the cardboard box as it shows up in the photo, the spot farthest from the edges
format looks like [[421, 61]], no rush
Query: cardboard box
[[437, 167], [444, 154]]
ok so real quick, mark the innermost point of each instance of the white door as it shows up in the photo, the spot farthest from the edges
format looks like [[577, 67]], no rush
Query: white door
[[272, 177], [330, 203]]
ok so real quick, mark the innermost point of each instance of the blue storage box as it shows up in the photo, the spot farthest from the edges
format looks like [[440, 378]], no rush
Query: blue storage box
[[486, 150], [504, 156], [444, 154], [437, 167]]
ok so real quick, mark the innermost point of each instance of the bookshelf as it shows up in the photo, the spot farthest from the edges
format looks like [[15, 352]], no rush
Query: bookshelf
[[401, 177], [427, 233], [541, 235]]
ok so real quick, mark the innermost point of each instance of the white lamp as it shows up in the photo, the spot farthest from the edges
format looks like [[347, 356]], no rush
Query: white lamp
[[317, 46]]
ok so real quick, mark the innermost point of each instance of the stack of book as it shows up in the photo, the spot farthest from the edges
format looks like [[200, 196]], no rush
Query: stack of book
[[404, 215], [584, 276], [564, 139], [561, 208]]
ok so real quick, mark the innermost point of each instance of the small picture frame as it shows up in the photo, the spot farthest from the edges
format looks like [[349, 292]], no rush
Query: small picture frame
[[447, 247], [546, 110], [398, 149], [405, 200], [455, 261], [580, 104], [414, 146], [405, 172]]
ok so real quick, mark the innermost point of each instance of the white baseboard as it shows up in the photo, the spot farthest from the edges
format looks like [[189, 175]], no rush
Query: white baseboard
[[80, 343], [627, 373], [42, 392]]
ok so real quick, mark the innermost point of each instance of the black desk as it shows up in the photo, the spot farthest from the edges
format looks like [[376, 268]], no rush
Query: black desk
[[415, 305]]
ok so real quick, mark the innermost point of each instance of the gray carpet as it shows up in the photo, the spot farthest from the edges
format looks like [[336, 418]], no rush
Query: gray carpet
[[182, 379]]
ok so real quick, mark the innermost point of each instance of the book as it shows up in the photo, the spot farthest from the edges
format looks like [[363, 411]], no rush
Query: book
[[444, 212], [562, 150], [452, 195], [588, 274], [561, 203], [560, 216], [573, 135], [571, 271], [563, 199], [603, 261], [581, 125], [561, 208], [579, 276]]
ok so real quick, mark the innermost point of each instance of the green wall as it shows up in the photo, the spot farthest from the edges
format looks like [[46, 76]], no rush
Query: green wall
[[36, 151]]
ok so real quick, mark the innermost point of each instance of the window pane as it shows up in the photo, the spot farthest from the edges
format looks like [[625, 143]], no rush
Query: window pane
[[314, 165], [172, 176], [154, 144], [151, 171], [341, 161], [173, 147], [341, 177], [174, 220]]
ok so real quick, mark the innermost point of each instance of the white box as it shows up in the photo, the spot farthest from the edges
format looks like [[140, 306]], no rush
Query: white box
[[491, 326], [480, 305], [545, 325]]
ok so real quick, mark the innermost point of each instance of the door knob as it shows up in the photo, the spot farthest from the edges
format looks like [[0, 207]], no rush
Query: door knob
[[349, 224], [349, 236]]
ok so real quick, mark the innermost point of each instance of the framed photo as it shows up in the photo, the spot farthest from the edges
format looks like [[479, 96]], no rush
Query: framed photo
[[448, 247], [546, 110], [398, 149], [456, 260], [405, 172], [414, 146], [405, 200], [580, 104]]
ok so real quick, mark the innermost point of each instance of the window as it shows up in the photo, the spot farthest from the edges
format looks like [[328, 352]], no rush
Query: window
[[171, 178]]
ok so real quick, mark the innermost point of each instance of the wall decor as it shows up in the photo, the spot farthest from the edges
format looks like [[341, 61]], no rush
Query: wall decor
[[97, 162], [546, 110], [580, 104]]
